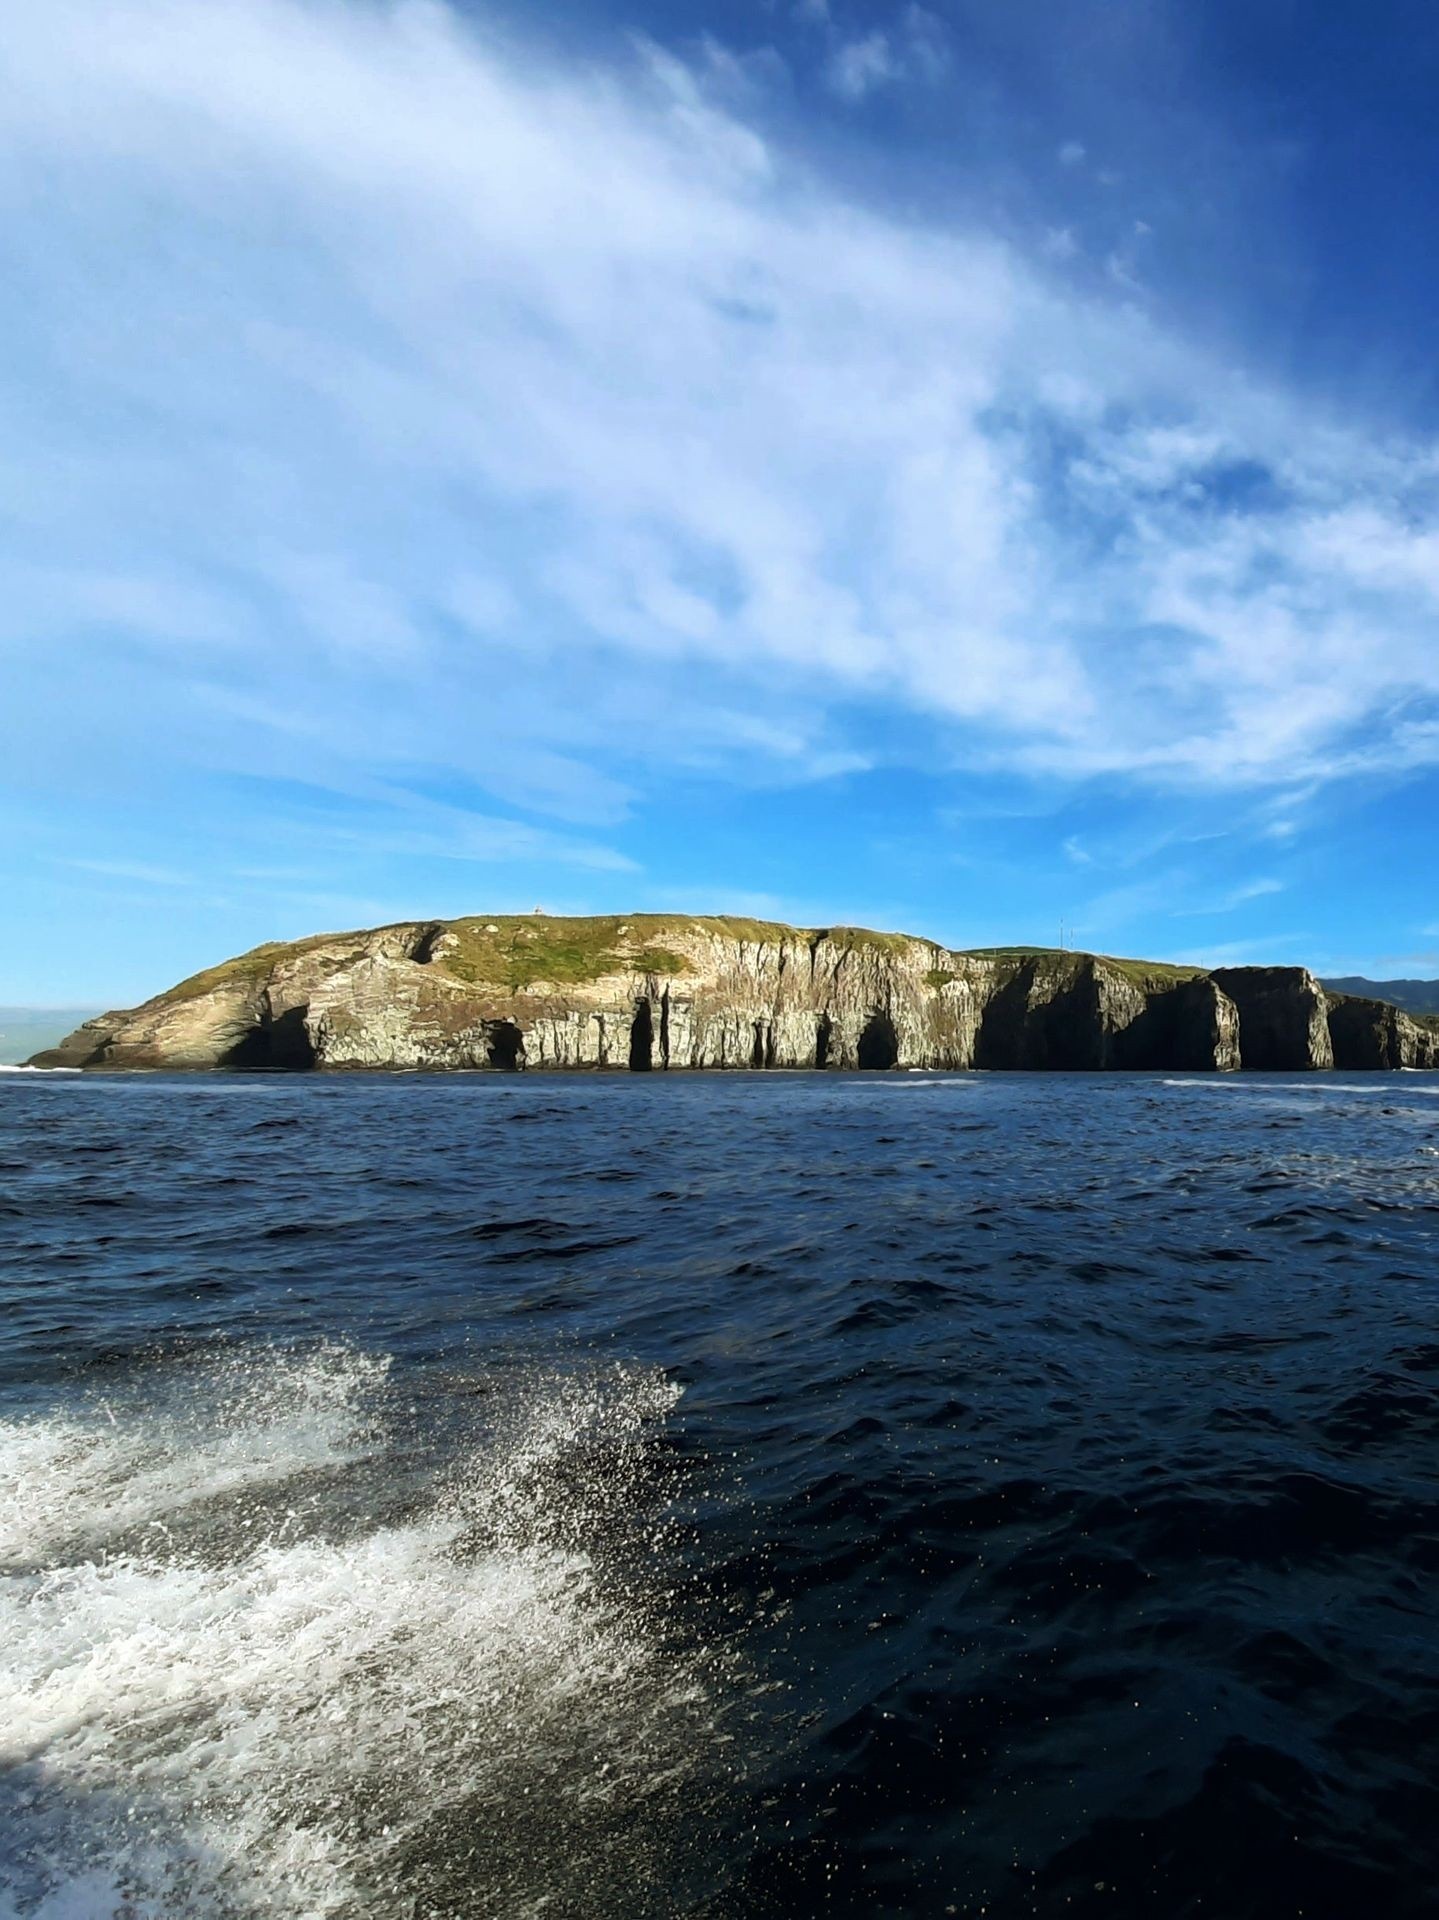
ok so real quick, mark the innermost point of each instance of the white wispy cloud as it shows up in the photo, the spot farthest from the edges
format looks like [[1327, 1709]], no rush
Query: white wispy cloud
[[1279, 949], [1237, 896], [859, 66], [915, 48], [1252, 890], [388, 394]]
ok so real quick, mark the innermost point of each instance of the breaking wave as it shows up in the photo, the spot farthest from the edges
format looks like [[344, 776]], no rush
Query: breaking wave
[[279, 1638]]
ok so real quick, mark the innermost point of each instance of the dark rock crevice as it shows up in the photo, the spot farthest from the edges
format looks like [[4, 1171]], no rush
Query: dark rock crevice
[[823, 1040], [504, 1046], [427, 938], [879, 1043], [277, 1043], [1042, 1023], [642, 1038], [1189, 1028]]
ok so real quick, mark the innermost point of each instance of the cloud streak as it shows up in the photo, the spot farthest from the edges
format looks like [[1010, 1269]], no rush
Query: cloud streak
[[1236, 897], [385, 395]]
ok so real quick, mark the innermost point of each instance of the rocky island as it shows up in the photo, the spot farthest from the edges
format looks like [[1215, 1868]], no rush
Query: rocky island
[[664, 991]]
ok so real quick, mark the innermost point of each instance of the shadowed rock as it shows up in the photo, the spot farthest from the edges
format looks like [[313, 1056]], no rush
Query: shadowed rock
[[1368, 1034], [1283, 1017]]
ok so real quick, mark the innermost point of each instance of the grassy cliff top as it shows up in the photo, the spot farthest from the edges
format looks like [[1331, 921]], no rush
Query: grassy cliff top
[[518, 949], [515, 951], [1142, 973], [245, 969]]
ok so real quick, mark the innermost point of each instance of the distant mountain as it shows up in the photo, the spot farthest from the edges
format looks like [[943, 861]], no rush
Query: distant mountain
[[25, 1030], [1414, 996]]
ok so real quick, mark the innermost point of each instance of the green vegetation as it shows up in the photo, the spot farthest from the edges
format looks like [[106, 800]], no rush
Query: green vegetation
[[246, 969], [1151, 975], [513, 952], [659, 960], [1021, 953], [520, 952], [525, 948], [866, 937], [728, 926]]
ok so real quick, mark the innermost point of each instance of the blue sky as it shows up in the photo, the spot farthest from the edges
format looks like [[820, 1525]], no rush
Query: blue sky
[[957, 468]]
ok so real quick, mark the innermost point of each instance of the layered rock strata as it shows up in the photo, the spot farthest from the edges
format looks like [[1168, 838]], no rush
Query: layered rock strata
[[670, 992]]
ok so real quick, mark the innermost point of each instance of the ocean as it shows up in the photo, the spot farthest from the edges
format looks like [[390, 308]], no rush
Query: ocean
[[755, 1495]]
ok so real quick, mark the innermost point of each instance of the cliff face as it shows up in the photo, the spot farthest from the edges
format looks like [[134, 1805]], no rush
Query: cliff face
[[1368, 1034], [1283, 1017], [655, 992]]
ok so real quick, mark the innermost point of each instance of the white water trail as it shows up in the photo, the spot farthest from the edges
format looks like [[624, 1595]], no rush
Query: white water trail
[[256, 1660]]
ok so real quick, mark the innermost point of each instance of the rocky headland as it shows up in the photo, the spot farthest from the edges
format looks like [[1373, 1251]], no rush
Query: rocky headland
[[663, 991], [655, 992]]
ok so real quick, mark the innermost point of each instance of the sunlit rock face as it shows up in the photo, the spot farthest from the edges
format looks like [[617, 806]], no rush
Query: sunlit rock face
[[657, 993]]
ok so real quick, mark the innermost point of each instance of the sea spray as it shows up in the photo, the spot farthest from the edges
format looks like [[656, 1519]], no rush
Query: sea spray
[[229, 1689]]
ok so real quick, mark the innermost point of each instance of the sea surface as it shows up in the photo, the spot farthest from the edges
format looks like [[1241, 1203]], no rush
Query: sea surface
[[775, 1495]]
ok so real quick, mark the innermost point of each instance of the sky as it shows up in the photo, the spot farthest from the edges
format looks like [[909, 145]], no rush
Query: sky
[[961, 468]]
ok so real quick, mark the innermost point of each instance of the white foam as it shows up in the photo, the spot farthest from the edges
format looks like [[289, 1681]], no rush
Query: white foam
[[927, 1079], [193, 1434], [237, 1722], [1316, 1084], [147, 1083]]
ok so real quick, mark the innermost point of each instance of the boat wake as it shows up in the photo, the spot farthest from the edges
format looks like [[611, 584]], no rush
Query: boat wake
[[281, 1639]]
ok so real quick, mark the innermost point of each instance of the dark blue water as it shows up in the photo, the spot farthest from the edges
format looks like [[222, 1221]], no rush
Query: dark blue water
[[760, 1496]]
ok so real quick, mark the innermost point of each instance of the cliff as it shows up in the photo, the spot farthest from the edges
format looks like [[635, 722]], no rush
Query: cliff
[[1410, 996], [1368, 1033], [1283, 1017], [671, 991]]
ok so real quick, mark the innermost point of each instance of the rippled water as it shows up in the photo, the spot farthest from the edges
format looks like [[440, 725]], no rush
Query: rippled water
[[787, 1495]]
